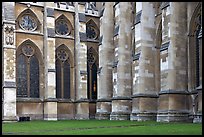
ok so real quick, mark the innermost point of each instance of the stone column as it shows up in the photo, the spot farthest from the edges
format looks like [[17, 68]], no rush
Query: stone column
[[144, 103], [82, 103], [9, 62], [106, 56], [50, 102], [198, 118], [173, 100], [199, 113], [121, 101]]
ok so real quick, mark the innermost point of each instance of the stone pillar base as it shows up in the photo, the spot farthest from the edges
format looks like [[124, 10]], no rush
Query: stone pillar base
[[176, 117], [143, 116], [82, 110], [50, 111], [197, 118], [102, 116], [119, 116], [9, 119]]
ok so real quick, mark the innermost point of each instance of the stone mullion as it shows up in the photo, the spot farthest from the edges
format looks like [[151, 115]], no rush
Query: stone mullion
[[121, 105], [106, 55], [145, 97], [9, 62]]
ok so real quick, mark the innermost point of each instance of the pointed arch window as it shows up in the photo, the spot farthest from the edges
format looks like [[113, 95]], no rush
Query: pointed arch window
[[198, 45], [63, 26], [27, 72], [28, 21], [92, 74], [91, 30], [62, 73]]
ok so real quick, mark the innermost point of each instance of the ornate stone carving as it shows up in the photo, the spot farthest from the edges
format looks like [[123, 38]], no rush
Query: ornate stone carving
[[9, 35]]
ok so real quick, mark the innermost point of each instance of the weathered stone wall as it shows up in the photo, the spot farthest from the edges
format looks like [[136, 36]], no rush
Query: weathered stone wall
[[146, 60], [9, 62]]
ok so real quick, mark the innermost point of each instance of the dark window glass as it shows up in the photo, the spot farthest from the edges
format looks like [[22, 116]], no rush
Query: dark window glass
[[34, 77], [88, 82], [27, 73], [66, 79], [62, 74], [197, 58], [94, 81], [90, 32], [62, 27], [21, 76], [58, 78], [27, 22], [91, 75]]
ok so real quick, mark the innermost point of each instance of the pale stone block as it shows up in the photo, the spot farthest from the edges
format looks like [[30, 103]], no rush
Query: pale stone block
[[51, 109], [51, 79], [168, 11], [82, 27], [164, 65], [81, 8], [9, 102], [117, 11], [138, 6], [51, 92], [50, 22]]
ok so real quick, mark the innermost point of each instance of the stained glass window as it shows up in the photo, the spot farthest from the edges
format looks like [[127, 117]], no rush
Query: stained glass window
[[91, 75], [34, 77], [62, 27], [58, 78], [90, 32], [27, 22], [27, 73], [62, 74], [66, 79], [94, 81], [21, 76]]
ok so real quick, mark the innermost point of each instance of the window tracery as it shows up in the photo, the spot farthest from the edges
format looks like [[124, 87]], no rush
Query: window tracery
[[28, 22], [27, 72], [91, 32], [62, 73]]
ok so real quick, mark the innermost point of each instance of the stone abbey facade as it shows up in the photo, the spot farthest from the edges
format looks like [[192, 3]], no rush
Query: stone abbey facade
[[102, 60]]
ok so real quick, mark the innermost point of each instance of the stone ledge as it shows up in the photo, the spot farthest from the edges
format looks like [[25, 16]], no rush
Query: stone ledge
[[174, 92], [9, 84], [103, 100], [29, 100], [64, 101], [145, 95], [121, 98], [172, 112], [51, 100], [82, 100]]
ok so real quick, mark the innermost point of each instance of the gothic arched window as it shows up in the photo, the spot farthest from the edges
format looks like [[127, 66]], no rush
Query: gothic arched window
[[197, 49], [92, 74], [27, 71], [28, 21], [62, 73], [62, 27], [91, 31]]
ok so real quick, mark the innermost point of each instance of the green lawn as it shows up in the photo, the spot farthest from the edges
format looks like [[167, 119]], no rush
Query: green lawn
[[100, 127]]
